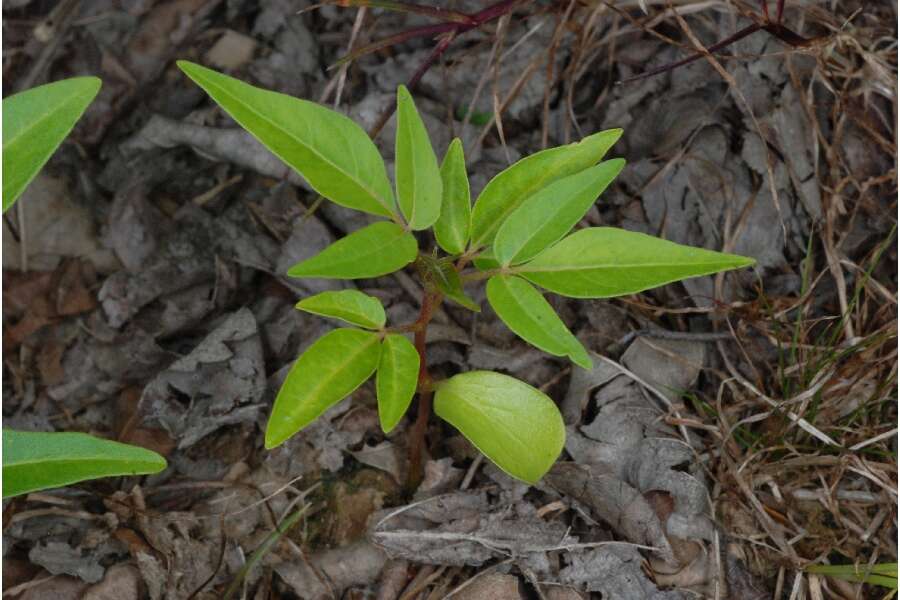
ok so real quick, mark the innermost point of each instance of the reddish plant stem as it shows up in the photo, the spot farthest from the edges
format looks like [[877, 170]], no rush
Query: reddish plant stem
[[774, 28], [428, 11], [416, 438], [451, 30]]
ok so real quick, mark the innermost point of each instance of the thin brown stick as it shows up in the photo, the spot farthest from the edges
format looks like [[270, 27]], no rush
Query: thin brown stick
[[419, 428]]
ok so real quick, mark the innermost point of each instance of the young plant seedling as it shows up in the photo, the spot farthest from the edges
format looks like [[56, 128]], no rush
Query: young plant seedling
[[35, 122], [518, 235]]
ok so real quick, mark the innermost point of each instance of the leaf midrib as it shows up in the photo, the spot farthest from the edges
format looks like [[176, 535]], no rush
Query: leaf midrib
[[527, 268], [105, 459]]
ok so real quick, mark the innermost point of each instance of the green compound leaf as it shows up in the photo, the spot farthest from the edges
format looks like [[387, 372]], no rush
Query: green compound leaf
[[545, 217], [528, 314], [35, 122], [39, 460], [416, 169], [336, 364], [508, 189], [350, 306], [396, 380], [374, 250], [452, 228], [329, 150], [602, 262], [515, 425]]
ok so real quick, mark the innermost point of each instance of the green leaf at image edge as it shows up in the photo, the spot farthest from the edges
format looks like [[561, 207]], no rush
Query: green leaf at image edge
[[452, 228], [396, 379], [416, 171], [604, 262], [329, 150], [350, 306], [374, 250], [528, 314], [515, 425], [35, 461], [35, 122], [336, 364], [508, 189]]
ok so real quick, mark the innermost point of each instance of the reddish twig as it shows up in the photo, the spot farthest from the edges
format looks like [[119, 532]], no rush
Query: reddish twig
[[454, 24], [443, 14], [416, 439], [773, 27]]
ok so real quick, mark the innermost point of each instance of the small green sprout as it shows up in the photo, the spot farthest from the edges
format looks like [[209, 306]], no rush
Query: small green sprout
[[517, 236]]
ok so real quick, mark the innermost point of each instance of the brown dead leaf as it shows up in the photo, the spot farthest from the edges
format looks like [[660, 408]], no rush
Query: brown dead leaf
[[127, 420], [73, 294], [121, 582], [351, 503], [56, 588], [57, 227], [39, 299], [232, 51], [135, 542], [499, 586], [17, 571], [49, 363]]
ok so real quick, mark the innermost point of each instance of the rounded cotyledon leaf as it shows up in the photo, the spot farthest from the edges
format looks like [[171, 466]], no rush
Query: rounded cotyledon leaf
[[452, 228], [35, 461], [545, 217], [603, 262], [416, 171], [508, 189], [334, 154], [374, 250], [515, 425], [528, 314], [396, 379], [350, 306], [35, 122], [336, 364]]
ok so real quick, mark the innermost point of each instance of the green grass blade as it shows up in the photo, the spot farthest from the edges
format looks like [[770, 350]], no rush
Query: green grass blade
[[883, 574]]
